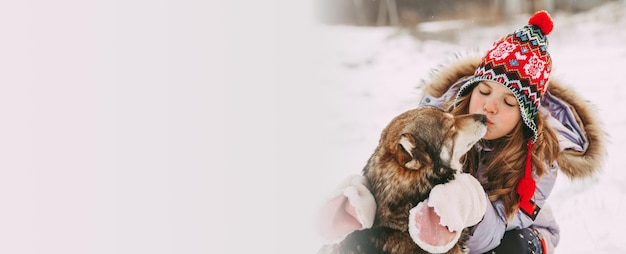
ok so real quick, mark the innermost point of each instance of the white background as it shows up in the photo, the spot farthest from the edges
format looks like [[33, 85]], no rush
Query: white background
[[140, 126]]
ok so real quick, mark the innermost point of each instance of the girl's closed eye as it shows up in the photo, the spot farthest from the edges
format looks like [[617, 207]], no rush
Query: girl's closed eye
[[484, 89], [511, 102]]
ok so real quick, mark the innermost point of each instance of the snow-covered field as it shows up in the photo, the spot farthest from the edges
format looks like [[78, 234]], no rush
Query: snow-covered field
[[371, 75]]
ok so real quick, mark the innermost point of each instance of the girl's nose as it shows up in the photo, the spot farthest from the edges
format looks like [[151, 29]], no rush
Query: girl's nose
[[490, 107]]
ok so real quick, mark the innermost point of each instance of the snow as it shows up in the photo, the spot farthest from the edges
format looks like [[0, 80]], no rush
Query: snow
[[372, 74]]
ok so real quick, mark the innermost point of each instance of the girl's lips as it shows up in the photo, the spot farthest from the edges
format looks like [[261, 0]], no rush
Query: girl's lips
[[489, 122]]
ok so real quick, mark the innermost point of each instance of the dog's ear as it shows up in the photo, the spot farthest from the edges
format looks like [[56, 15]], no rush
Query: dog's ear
[[408, 145]]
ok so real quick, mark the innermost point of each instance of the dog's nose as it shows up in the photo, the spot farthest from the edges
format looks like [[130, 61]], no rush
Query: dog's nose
[[482, 118]]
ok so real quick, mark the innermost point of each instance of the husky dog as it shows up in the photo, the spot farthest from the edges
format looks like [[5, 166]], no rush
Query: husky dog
[[419, 149]]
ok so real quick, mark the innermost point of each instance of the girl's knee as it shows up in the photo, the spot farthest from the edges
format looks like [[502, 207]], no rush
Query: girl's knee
[[520, 241]]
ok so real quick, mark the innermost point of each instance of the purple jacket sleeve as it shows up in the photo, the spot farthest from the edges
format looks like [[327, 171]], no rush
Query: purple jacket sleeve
[[487, 233]]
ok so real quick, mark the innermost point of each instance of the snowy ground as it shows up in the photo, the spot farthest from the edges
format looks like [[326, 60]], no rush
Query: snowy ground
[[371, 74]]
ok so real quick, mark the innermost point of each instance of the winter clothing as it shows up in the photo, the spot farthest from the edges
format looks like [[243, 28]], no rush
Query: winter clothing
[[351, 207], [436, 223], [520, 241], [520, 61], [460, 203], [581, 140]]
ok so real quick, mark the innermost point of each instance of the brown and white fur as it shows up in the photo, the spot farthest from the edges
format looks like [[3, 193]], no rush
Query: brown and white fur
[[419, 149]]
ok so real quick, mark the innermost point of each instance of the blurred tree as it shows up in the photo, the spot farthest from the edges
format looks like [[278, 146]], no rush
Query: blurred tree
[[408, 13], [388, 7], [360, 12]]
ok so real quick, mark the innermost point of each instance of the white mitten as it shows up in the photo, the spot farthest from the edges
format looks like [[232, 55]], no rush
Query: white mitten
[[351, 207], [436, 223]]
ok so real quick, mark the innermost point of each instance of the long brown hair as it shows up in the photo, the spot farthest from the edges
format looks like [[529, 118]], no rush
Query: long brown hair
[[503, 169]]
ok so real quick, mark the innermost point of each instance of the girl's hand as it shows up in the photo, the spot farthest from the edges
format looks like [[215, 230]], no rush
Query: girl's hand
[[436, 223], [351, 207]]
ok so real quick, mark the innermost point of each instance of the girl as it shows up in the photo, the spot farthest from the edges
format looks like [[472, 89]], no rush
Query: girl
[[535, 129]]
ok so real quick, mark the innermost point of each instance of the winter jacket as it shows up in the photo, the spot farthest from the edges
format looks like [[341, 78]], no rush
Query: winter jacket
[[581, 142]]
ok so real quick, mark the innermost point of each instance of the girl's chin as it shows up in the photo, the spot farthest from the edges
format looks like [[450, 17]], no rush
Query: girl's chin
[[489, 136]]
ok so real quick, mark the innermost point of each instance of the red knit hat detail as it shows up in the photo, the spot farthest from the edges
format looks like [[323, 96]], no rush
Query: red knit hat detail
[[526, 185], [543, 20]]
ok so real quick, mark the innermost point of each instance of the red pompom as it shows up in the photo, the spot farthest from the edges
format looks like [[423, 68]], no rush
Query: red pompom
[[543, 20]]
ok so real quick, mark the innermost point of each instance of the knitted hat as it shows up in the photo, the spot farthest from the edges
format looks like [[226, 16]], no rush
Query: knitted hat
[[520, 61]]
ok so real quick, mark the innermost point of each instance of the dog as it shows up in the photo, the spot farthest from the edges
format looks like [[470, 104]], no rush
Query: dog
[[417, 150]]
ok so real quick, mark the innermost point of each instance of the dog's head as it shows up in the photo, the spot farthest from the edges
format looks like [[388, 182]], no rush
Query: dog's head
[[428, 137]]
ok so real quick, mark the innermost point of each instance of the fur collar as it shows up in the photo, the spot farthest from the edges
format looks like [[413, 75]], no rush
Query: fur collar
[[573, 163]]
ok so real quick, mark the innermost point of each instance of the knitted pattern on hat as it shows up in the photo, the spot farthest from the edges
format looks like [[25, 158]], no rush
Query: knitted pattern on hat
[[521, 62]]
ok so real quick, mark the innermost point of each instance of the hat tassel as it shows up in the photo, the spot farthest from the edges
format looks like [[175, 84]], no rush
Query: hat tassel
[[526, 185]]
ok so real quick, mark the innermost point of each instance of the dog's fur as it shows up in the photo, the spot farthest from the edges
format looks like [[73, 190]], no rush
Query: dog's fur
[[417, 150]]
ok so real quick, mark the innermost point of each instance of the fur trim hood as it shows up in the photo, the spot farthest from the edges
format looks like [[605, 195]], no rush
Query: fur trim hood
[[575, 164]]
